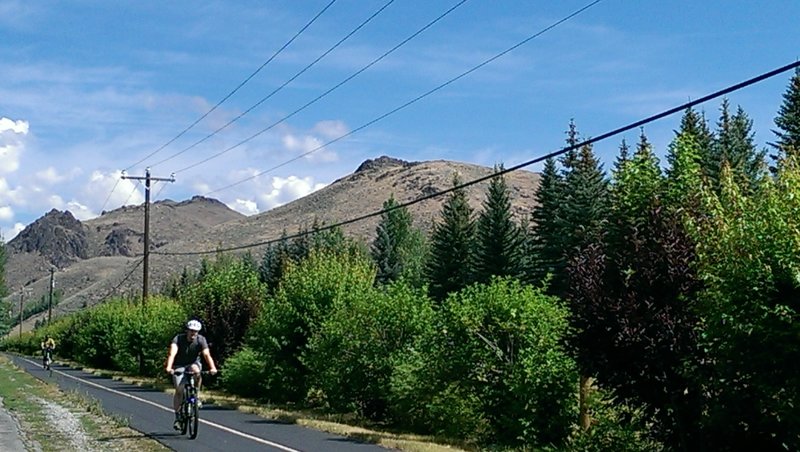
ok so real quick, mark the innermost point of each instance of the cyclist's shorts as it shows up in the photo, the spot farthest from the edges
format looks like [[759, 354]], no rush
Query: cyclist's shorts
[[178, 377]]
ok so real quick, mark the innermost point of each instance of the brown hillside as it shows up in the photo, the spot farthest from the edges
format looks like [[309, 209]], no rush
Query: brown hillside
[[359, 193]]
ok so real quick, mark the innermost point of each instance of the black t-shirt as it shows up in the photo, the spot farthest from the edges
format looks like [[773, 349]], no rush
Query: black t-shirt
[[188, 352]]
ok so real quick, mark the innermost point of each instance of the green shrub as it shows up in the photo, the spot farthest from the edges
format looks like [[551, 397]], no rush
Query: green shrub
[[493, 369], [306, 295], [615, 426], [351, 358], [243, 373], [226, 300]]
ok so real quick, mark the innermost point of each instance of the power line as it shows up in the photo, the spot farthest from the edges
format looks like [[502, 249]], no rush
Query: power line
[[274, 55], [553, 154], [394, 110], [316, 99], [268, 96], [135, 186]]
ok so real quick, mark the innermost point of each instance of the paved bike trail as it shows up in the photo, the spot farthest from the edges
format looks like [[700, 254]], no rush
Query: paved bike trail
[[149, 411]]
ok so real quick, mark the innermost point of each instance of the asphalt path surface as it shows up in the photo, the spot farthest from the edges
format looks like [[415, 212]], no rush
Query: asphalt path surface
[[150, 412]]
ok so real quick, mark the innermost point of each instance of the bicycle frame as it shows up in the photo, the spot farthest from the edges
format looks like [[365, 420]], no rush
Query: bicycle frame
[[188, 409]]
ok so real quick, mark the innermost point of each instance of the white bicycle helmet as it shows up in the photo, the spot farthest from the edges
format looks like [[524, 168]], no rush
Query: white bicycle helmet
[[194, 325]]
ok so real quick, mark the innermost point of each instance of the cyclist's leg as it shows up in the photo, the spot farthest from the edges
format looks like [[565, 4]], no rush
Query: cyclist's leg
[[198, 379], [177, 398]]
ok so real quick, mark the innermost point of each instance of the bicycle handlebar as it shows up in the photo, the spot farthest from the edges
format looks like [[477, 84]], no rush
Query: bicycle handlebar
[[190, 373]]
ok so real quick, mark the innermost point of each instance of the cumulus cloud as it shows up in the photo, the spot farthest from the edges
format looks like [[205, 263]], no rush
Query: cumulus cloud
[[6, 213], [12, 134], [244, 206], [8, 234], [21, 127], [80, 211], [284, 190], [50, 176], [311, 143], [111, 186]]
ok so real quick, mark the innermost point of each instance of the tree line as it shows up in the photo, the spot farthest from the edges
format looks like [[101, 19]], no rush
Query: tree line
[[653, 307]]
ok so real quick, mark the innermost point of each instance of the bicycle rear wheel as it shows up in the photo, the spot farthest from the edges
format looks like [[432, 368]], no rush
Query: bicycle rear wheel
[[193, 420]]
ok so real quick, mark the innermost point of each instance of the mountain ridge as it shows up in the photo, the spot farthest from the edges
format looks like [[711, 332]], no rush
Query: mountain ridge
[[206, 224]]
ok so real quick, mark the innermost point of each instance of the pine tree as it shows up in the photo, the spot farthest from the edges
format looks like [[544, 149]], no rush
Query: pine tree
[[684, 174], [448, 269], [397, 247], [545, 256], [585, 203], [696, 126], [499, 239], [573, 138], [734, 146], [788, 121], [622, 158]]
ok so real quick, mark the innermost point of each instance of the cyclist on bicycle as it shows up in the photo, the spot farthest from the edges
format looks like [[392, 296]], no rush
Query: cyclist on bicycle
[[48, 345], [184, 355]]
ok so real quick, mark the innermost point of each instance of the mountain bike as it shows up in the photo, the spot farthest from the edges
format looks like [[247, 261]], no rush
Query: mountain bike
[[189, 410]]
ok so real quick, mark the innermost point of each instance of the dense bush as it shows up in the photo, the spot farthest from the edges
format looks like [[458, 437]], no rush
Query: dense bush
[[493, 368], [616, 426], [749, 257], [351, 357], [306, 295], [226, 299]]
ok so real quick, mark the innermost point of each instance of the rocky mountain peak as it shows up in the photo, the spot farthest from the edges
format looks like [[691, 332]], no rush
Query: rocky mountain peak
[[58, 236], [381, 163]]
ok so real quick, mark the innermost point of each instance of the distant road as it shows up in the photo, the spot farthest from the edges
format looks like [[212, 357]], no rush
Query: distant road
[[150, 412]]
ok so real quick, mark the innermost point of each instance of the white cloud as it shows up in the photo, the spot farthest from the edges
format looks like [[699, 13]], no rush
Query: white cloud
[[6, 213], [286, 190], [80, 211], [110, 186], [331, 129], [11, 143], [19, 126], [7, 235], [50, 176], [244, 206], [312, 145]]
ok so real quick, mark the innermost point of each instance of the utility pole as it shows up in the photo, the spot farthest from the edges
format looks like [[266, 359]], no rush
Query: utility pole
[[21, 297], [146, 258], [50, 303]]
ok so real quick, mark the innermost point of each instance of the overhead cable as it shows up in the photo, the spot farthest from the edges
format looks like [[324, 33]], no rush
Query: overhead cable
[[601, 137], [238, 87], [390, 112], [338, 85], [276, 90]]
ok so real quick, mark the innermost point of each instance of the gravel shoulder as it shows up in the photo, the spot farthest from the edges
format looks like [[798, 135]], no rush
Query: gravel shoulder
[[36, 416]]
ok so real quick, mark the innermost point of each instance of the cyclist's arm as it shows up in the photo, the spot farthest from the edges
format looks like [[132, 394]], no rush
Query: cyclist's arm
[[209, 360], [173, 351]]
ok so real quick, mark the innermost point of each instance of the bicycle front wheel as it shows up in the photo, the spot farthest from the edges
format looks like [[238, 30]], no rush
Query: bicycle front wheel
[[193, 420]]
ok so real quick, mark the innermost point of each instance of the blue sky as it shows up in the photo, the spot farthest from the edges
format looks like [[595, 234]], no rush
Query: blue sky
[[90, 87]]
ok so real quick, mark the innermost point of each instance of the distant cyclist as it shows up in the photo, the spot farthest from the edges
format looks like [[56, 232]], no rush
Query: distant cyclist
[[184, 354], [48, 345]]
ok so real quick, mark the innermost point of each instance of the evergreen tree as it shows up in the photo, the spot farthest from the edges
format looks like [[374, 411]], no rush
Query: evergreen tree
[[398, 246], [573, 138], [545, 256], [622, 158], [584, 203], [499, 239], [695, 125], [788, 121], [684, 174], [734, 146], [630, 294], [448, 269]]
